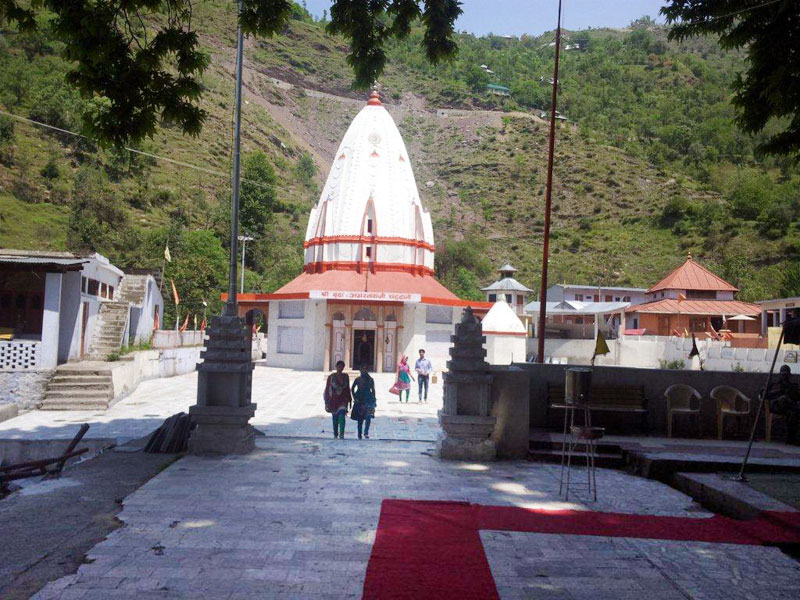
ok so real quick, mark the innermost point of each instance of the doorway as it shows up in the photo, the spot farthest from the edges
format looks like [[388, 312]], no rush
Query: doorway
[[364, 348]]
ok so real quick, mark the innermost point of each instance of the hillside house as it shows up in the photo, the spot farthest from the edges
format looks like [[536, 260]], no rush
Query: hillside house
[[692, 299], [57, 307]]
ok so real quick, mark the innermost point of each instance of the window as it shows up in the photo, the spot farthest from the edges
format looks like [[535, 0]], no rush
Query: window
[[492, 297], [369, 225], [662, 294], [608, 298], [438, 314], [579, 320], [579, 297], [520, 300], [83, 284], [369, 251], [701, 294], [291, 309], [290, 340], [626, 298], [616, 298], [93, 287], [111, 292], [597, 297], [103, 290], [508, 298]]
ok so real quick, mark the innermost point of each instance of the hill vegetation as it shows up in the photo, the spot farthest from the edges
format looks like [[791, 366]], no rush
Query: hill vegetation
[[649, 165]]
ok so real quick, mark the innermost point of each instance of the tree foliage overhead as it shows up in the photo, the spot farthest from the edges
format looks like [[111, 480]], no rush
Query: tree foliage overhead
[[140, 61], [770, 33]]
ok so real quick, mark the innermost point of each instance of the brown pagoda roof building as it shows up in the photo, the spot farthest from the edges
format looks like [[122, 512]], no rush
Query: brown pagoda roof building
[[693, 300]]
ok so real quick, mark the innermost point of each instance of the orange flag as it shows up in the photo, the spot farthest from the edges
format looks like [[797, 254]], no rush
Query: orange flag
[[681, 297], [175, 293], [185, 323]]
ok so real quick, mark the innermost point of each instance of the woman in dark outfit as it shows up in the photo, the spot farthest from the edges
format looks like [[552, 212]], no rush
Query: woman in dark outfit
[[364, 401], [337, 399]]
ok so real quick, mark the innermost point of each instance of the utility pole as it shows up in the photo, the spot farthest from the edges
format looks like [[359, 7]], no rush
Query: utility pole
[[549, 195], [244, 239], [230, 307]]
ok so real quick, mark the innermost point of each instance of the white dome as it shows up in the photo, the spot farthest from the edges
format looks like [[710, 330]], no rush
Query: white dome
[[369, 214], [501, 319]]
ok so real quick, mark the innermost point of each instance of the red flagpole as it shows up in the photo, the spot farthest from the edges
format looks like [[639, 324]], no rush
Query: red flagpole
[[549, 195]]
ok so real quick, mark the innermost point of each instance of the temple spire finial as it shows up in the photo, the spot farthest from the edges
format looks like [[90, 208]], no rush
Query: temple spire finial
[[374, 99]]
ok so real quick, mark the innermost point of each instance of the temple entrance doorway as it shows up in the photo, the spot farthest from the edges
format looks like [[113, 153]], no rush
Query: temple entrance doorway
[[364, 348]]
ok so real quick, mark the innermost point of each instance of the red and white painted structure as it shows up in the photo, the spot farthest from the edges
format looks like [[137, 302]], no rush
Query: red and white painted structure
[[367, 293]]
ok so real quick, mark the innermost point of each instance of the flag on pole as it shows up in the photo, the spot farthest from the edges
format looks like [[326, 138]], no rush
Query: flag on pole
[[195, 322], [600, 346], [681, 297], [185, 323], [203, 325], [167, 256], [174, 292]]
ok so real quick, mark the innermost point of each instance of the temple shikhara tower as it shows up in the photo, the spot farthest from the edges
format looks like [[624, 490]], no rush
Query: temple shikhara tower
[[367, 293]]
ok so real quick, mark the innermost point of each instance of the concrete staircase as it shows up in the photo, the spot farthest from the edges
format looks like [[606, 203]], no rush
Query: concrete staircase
[[109, 330], [132, 289], [76, 387]]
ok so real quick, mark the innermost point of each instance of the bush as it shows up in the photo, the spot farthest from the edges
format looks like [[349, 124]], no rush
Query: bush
[[673, 365]]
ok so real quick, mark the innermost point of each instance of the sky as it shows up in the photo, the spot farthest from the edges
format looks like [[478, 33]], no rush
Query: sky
[[516, 17]]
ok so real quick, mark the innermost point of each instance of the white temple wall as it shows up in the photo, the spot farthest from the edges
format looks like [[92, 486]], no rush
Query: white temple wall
[[505, 349], [297, 342]]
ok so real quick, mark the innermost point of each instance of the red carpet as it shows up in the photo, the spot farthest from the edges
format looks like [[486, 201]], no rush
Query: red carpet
[[433, 549]]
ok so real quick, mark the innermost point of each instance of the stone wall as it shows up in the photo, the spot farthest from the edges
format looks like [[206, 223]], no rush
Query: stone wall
[[655, 382], [23, 388]]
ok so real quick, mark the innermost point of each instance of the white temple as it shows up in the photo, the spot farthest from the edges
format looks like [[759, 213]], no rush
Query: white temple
[[367, 294]]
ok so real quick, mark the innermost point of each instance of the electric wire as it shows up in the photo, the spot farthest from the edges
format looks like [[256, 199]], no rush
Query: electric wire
[[179, 163]]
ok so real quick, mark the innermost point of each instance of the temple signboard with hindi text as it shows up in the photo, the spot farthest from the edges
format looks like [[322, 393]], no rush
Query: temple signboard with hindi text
[[366, 296]]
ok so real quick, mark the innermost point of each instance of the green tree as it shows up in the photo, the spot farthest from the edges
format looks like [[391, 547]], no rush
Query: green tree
[[140, 61], [199, 269], [790, 279], [259, 194], [770, 88], [462, 265], [96, 213], [306, 169]]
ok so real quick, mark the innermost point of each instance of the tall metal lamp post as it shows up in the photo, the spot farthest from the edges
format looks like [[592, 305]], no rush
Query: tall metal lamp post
[[244, 239], [223, 410]]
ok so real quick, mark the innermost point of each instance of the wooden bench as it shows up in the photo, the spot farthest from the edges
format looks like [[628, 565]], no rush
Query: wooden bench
[[626, 399]]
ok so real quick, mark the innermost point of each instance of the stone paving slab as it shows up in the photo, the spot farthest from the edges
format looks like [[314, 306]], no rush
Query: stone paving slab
[[297, 519], [546, 566], [289, 404]]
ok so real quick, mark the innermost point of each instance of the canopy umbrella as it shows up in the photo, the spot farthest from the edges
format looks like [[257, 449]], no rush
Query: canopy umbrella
[[741, 318]]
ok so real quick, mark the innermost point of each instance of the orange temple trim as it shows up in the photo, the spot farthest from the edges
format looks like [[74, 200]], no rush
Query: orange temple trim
[[372, 267], [359, 239]]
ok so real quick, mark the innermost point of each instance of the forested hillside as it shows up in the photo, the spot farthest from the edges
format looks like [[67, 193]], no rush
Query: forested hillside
[[649, 165]]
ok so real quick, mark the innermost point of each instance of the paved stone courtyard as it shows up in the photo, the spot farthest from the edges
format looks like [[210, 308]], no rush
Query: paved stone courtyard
[[289, 404], [298, 517]]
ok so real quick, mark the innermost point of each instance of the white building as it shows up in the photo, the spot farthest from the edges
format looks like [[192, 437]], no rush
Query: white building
[[509, 288], [367, 294], [592, 293], [505, 334], [50, 302]]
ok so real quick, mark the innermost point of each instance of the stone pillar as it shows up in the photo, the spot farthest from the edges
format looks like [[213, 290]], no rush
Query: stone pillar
[[465, 420], [224, 384], [51, 320]]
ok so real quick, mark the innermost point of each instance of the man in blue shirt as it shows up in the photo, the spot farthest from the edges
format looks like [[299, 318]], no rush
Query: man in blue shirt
[[423, 368]]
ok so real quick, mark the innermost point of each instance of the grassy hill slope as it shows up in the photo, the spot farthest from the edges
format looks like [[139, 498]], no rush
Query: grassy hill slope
[[649, 168]]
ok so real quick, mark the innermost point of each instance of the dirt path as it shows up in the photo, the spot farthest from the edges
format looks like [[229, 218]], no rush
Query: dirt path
[[48, 528]]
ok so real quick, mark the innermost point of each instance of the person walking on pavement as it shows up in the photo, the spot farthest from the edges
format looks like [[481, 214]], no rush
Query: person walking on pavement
[[337, 398], [423, 368], [404, 378], [364, 401]]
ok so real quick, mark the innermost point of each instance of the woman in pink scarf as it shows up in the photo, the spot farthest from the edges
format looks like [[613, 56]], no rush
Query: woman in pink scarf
[[404, 378]]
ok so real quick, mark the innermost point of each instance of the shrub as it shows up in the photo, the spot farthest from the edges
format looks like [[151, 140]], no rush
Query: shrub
[[673, 365]]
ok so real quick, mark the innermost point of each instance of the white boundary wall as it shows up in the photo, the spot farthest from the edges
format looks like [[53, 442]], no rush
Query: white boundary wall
[[647, 351]]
